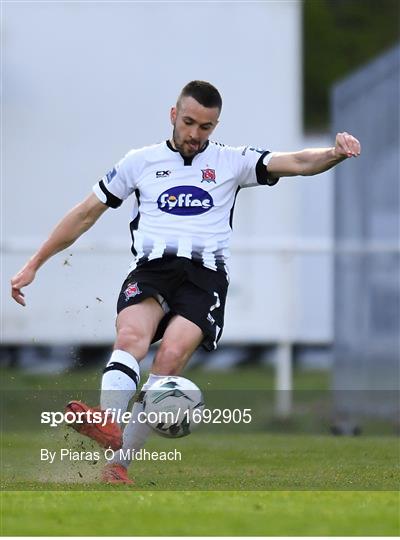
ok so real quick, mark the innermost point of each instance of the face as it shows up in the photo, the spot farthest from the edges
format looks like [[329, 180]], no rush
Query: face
[[193, 124]]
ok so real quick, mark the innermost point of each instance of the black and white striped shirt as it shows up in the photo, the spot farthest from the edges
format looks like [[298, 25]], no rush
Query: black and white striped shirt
[[183, 206]]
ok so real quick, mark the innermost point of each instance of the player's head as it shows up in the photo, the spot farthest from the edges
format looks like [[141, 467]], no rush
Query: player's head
[[195, 116]]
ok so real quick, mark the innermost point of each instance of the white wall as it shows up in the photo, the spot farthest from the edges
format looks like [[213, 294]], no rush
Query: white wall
[[85, 82]]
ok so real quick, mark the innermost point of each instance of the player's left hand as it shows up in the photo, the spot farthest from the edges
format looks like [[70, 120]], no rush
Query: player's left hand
[[347, 146]]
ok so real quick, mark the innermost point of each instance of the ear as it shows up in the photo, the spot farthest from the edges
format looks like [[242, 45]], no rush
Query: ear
[[173, 115]]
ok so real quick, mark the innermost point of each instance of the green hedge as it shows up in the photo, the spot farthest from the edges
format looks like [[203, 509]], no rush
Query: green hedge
[[339, 36]]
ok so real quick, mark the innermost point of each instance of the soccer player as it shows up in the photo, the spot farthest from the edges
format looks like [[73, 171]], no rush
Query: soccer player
[[183, 192]]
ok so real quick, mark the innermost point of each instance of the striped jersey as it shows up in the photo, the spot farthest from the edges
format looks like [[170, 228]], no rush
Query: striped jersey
[[183, 206]]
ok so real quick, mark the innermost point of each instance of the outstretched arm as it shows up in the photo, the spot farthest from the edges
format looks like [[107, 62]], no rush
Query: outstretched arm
[[313, 160], [73, 224]]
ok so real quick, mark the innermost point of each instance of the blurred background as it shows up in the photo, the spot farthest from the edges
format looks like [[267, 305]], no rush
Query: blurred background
[[314, 299]]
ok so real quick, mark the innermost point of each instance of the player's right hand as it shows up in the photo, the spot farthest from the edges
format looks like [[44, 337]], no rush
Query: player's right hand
[[347, 146], [25, 276]]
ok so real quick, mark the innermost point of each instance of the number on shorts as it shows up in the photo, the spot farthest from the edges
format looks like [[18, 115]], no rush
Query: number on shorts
[[217, 302]]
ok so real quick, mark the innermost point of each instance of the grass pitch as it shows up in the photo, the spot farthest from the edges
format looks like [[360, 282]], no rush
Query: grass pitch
[[264, 482], [258, 461], [211, 513]]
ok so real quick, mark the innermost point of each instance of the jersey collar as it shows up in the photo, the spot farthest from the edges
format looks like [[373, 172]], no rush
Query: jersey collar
[[186, 160]]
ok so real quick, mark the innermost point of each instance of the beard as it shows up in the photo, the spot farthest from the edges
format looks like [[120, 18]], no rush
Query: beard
[[180, 145]]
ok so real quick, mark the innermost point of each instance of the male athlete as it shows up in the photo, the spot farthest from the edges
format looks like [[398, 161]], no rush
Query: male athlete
[[184, 190]]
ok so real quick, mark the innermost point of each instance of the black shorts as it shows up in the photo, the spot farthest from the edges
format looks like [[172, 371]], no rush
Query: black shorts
[[182, 287]]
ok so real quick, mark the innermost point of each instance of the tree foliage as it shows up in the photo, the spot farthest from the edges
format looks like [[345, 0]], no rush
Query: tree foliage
[[340, 36]]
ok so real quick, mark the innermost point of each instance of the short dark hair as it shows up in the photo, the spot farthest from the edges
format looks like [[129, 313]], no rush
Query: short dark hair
[[203, 92]]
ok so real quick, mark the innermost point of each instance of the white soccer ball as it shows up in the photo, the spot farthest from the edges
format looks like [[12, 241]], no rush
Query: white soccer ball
[[173, 406]]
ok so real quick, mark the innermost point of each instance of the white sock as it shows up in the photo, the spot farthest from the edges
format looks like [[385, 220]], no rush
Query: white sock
[[119, 382], [135, 433]]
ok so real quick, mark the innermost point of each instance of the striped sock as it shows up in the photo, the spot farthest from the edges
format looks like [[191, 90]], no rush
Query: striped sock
[[119, 382], [135, 433]]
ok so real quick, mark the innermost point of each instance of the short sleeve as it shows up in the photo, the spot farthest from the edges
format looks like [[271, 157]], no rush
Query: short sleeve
[[250, 166], [115, 186]]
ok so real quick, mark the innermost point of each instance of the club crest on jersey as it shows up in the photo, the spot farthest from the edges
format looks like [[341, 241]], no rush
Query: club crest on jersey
[[185, 201], [208, 175], [131, 291]]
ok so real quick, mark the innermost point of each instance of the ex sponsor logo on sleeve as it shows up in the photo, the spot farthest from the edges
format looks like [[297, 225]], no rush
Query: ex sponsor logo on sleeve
[[110, 175], [253, 149]]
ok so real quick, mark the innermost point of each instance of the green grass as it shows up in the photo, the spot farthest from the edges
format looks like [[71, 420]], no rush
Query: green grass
[[261, 482], [258, 461], [273, 485], [213, 513], [252, 378]]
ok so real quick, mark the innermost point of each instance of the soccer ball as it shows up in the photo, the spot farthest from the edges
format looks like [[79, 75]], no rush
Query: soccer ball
[[173, 406]]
